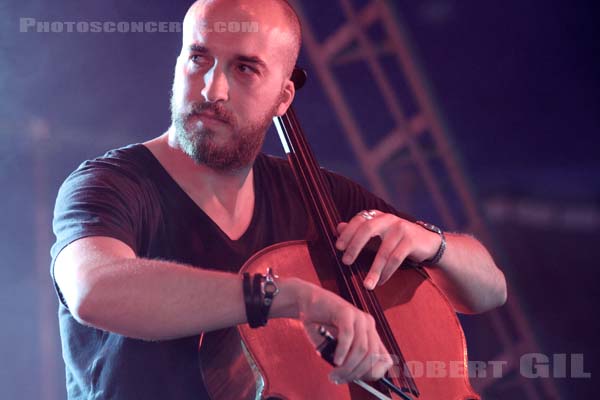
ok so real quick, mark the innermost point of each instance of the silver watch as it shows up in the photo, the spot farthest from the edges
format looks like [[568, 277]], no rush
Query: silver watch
[[438, 255]]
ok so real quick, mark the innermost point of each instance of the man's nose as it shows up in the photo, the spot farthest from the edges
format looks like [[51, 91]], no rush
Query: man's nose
[[216, 86]]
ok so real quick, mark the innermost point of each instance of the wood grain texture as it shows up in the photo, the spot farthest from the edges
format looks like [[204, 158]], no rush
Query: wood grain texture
[[281, 360]]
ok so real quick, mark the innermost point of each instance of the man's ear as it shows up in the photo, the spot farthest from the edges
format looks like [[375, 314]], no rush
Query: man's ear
[[287, 96]]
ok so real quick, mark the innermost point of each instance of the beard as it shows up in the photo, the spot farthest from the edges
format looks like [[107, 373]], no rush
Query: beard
[[199, 142]]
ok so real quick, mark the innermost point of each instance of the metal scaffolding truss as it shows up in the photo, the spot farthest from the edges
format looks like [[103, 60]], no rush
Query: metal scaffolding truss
[[418, 139]]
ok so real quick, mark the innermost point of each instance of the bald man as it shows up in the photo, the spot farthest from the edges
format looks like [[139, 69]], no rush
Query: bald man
[[149, 237]]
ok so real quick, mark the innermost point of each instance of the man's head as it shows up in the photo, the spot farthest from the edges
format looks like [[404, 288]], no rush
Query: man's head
[[232, 77]]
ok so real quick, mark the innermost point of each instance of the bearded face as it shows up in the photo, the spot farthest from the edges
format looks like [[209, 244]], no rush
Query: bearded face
[[228, 85], [228, 147]]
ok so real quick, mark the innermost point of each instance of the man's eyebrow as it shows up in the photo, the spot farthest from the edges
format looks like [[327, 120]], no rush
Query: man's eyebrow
[[252, 60], [198, 48]]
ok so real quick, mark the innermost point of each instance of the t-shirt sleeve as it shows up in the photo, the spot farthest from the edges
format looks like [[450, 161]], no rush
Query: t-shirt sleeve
[[94, 200], [351, 198]]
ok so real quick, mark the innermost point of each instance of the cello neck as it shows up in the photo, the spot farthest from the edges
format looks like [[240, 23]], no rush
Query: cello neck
[[316, 195]]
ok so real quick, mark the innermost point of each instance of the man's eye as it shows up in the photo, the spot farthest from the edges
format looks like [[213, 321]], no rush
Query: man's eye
[[196, 58], [246, 69]]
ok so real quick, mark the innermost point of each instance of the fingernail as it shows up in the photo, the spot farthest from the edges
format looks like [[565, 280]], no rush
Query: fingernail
[[346, 259], [369, 283], [340, 245]]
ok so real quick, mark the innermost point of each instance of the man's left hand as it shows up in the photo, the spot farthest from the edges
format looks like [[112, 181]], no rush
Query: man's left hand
[[401, 239]]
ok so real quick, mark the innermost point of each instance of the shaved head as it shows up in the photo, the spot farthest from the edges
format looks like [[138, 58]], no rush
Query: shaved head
[[252, 9]]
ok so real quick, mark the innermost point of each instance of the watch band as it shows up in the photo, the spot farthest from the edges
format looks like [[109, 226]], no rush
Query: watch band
[[251, 301], [440, 252]]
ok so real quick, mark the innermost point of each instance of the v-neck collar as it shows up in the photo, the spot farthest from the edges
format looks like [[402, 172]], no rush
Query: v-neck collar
[[192, 204]]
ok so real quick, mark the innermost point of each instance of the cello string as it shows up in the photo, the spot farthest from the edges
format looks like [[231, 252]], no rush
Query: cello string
[[404, 376], [297, 154], [324, 209], [366, 299], [329, 217], [327, 211]]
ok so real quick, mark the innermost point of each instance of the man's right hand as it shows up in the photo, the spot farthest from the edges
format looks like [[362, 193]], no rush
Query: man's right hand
[[360, 353]]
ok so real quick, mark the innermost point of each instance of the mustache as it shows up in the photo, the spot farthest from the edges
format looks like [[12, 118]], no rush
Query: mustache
[[215, 109]]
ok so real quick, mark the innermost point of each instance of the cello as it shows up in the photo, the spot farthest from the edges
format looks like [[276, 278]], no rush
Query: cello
[[414, 319]]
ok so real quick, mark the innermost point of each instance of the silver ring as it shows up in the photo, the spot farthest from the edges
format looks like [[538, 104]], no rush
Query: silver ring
[[368, 215]]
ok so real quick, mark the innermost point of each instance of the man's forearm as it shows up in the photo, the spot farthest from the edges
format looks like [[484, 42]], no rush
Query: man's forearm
[[157, 300], [468, 275]]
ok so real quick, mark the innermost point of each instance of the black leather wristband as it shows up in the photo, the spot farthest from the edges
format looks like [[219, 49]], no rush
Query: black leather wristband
[[252, 300], [247, 288], [257, 300]]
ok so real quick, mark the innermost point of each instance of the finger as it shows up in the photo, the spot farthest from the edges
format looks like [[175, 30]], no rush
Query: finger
[[357, 352], [387, 246], [349, 230], [340, 227], [361, 236], [345, 336], [395, 259], [371, 358], [381, 362]]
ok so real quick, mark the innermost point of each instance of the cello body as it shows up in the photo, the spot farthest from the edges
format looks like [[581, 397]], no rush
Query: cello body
[[279, 361]]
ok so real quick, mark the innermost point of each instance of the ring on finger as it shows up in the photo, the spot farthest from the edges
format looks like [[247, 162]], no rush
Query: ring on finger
[[368, 215]]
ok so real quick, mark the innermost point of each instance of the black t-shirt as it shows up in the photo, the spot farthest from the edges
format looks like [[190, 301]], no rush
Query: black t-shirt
[[127, 194]]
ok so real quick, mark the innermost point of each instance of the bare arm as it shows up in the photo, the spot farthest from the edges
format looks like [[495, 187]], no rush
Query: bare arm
[[107, 287], [468, 275]]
